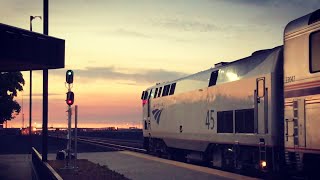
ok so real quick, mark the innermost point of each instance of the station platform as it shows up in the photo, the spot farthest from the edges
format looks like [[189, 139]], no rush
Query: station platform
[[16, 167], [138, 166]]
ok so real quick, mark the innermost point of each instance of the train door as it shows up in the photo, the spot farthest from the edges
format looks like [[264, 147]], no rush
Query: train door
[[261, 106], [295, 124], [299, 130]]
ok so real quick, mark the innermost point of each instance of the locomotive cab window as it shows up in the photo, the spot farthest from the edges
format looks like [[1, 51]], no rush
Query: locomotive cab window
[[151, 94], [315, 52], [155, 93], [160, 90], [165, 90], [172, 88], [142, 94], [145, 95]]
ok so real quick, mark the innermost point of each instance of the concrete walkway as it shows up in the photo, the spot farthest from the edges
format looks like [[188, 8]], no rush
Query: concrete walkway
[[15, 167], [137, 166]]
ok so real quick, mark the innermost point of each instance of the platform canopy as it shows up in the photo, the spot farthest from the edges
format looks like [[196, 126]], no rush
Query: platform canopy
[[22, 50]]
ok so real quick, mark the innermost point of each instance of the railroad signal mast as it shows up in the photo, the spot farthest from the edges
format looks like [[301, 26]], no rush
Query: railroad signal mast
[[69, 101]]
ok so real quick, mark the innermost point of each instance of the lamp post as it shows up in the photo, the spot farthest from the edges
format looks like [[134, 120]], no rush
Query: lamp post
[[30, 94], [31, 19]]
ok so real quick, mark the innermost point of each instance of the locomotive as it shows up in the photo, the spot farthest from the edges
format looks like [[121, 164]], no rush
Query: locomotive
[[259, 112]]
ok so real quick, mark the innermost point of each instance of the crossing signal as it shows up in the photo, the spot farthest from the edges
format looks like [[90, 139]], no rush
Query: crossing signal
[[70, 98], [69, 76]]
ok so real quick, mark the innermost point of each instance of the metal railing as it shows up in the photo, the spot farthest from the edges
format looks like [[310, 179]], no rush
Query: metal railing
[[43, 169]]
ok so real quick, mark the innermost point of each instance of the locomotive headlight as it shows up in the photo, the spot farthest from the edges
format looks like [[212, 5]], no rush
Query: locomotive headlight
[[263, 164]]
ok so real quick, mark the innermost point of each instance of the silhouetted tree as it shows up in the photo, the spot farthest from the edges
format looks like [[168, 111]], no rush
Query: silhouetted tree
[[10, 84]]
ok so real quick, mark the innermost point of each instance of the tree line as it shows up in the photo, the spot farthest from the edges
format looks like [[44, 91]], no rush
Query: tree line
[[10, 84]]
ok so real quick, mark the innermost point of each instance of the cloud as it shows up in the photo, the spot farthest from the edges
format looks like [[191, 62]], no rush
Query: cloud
[[185, 25], [123, 75], [137, 75], [129, 33], [277, 3]]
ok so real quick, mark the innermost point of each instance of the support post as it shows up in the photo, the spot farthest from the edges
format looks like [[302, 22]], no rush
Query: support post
[[30, 108], [75, 136], [69, 136], [45, 89]]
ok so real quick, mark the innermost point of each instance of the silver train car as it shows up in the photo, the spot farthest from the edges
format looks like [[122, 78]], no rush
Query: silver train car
[[259, 112]]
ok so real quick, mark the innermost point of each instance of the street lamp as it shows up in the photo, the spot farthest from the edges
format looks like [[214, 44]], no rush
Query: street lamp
[[31, 19], [30, 95]]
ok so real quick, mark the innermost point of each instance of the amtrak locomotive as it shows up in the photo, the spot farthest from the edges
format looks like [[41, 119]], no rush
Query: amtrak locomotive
[[259, 112]]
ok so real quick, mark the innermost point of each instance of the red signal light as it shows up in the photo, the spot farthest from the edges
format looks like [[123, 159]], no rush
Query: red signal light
[[70, 98]]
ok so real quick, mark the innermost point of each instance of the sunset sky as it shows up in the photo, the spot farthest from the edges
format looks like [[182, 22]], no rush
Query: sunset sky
[[117, 48]]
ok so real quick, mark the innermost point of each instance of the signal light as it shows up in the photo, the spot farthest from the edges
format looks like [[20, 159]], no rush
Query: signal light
[[70, 98], [69, 76]]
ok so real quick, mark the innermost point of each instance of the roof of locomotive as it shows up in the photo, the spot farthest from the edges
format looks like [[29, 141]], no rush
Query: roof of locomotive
[[244, 65]]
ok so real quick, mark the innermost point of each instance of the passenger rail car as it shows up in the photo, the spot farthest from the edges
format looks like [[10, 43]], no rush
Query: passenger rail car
[[259, 112]]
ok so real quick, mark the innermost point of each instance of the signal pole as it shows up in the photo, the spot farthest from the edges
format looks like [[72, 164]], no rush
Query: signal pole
[[69, 133], [69, 101]]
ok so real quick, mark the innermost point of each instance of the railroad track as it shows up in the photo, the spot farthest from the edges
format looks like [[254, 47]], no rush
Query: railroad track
[[111, 144], [116, 144], [124, 142]]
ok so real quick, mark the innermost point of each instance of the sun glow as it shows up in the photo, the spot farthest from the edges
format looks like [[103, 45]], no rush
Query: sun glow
[[232, 76]]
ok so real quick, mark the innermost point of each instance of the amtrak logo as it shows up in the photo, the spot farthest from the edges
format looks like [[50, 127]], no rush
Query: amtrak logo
[[156, 114]]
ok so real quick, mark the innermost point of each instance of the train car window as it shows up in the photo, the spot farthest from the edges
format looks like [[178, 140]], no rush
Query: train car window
[[315, 52], [244, 121], [142, 94], [172, 88], [213, 78], [225, 122], [160, 90], [166, 90], [155, 93]]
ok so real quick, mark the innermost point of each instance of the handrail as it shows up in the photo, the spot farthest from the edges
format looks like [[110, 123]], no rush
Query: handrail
[[43, 169]]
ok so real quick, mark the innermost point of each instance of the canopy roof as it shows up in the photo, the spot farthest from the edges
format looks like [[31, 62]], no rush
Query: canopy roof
[[22, 50]]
